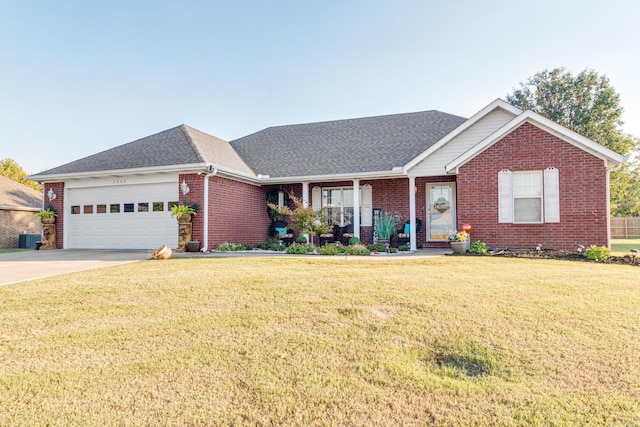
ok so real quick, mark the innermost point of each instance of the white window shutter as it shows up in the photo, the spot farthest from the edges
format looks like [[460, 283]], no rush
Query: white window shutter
[[367, 205], [316, 198], [505, 196], [551, 195]]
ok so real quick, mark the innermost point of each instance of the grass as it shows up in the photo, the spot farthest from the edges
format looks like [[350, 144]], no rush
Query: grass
[[237, 341], [621, 247], [8, 250]]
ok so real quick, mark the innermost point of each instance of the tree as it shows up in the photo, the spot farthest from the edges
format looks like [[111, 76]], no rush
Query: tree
[[589, 105], [11, 169], [304, 219]]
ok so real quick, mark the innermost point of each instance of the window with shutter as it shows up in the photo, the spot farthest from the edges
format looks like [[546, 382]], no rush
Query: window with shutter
[[505, 196]]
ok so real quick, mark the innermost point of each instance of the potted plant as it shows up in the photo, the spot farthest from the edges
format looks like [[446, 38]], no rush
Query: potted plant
[[386, 227], [182, 212], [47, 215], [458, 241]]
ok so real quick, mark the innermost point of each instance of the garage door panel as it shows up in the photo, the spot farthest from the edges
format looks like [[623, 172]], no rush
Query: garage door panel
[[122, 230]]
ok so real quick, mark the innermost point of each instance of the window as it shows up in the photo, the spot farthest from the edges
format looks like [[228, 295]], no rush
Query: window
[[128, 207], [75, 210], [529, 197], [114, 208], [88, 209], [143, 207], [101, 209], [338, 206], [158, 206]]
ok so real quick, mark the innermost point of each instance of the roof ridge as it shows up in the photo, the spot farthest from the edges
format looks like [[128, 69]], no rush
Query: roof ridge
[[363, 118], [185, 130]]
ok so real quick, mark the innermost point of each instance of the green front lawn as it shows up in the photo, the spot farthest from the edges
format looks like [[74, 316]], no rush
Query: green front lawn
[[331, 341]]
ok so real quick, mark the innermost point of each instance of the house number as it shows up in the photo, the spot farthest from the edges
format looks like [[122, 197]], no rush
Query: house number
[[119, 181]]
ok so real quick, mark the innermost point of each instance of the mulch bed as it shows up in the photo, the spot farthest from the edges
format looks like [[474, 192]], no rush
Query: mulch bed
[[555, 254]]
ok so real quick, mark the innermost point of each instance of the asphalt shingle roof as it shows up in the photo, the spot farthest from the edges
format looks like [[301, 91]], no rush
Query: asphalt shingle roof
[[177, 146], [370, 144], [16, 195], [344, 146]]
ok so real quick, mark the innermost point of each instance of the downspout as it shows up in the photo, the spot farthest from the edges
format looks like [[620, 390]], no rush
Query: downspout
[[205, 223]]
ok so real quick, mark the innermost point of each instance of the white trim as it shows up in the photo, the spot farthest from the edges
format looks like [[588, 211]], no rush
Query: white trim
[[413, 238], [356, 208], [498, 103], [169, 169], [334, 177], [567, 135]]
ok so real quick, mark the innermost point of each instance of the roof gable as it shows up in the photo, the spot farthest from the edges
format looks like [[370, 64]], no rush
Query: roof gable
[[610, 157], [15, 195], [497, 104], [182, 145]]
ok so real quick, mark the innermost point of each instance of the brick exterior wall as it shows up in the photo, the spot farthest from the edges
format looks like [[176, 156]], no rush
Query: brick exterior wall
[[237, 212], [583, 192], [14, 222], [58, 206]]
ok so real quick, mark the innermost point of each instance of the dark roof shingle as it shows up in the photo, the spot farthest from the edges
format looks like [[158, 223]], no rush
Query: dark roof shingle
[[344, 146]]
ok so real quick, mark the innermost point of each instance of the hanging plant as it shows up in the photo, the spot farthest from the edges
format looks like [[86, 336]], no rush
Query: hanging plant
[[272, 200]]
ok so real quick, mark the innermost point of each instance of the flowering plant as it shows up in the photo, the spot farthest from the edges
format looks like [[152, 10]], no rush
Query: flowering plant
[[458, 236]]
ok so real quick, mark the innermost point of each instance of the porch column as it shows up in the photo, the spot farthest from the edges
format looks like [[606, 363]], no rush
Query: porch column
[[305, 200], [305, 194], [412, 212], [356, 208]]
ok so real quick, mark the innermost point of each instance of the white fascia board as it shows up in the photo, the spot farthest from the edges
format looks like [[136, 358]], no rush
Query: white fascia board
[[192, 167], [498, 103], [545, 124], [237, 176], [335, 177]]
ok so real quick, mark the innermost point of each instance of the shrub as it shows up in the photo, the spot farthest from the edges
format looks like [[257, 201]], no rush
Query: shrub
[[301, 239], [225, 247], [298, 248], [354, 240], [377, 247], [393, 250], [357, 249], [597, 253], [403, 248], [331, 250], [228, 247], [478, 247]]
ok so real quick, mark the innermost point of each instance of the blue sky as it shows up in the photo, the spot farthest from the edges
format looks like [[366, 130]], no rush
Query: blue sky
[[79, 77]]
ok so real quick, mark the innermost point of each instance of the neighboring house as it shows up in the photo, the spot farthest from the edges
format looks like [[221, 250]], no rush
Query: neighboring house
[[518, 178], [18, 206]]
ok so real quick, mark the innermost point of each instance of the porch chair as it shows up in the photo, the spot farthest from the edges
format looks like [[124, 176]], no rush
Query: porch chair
[[403, 235], [347, 233], [330, 237], [280, 231]]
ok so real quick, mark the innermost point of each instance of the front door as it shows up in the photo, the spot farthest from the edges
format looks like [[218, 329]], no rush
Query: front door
[[441, 211]]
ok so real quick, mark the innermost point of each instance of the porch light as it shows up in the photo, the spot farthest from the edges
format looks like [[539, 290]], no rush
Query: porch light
[[51, 194], [184, 187]]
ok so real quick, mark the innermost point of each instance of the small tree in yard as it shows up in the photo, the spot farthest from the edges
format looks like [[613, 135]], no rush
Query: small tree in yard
[[306, 220]]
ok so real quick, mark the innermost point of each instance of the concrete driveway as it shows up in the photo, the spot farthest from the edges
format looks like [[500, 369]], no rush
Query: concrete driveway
[[31, 265]]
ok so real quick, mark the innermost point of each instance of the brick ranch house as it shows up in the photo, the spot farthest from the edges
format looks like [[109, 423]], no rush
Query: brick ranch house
[[18, 206], [517, 177]]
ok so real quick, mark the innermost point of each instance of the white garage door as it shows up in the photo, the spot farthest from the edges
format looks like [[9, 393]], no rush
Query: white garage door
[[129, 216]]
